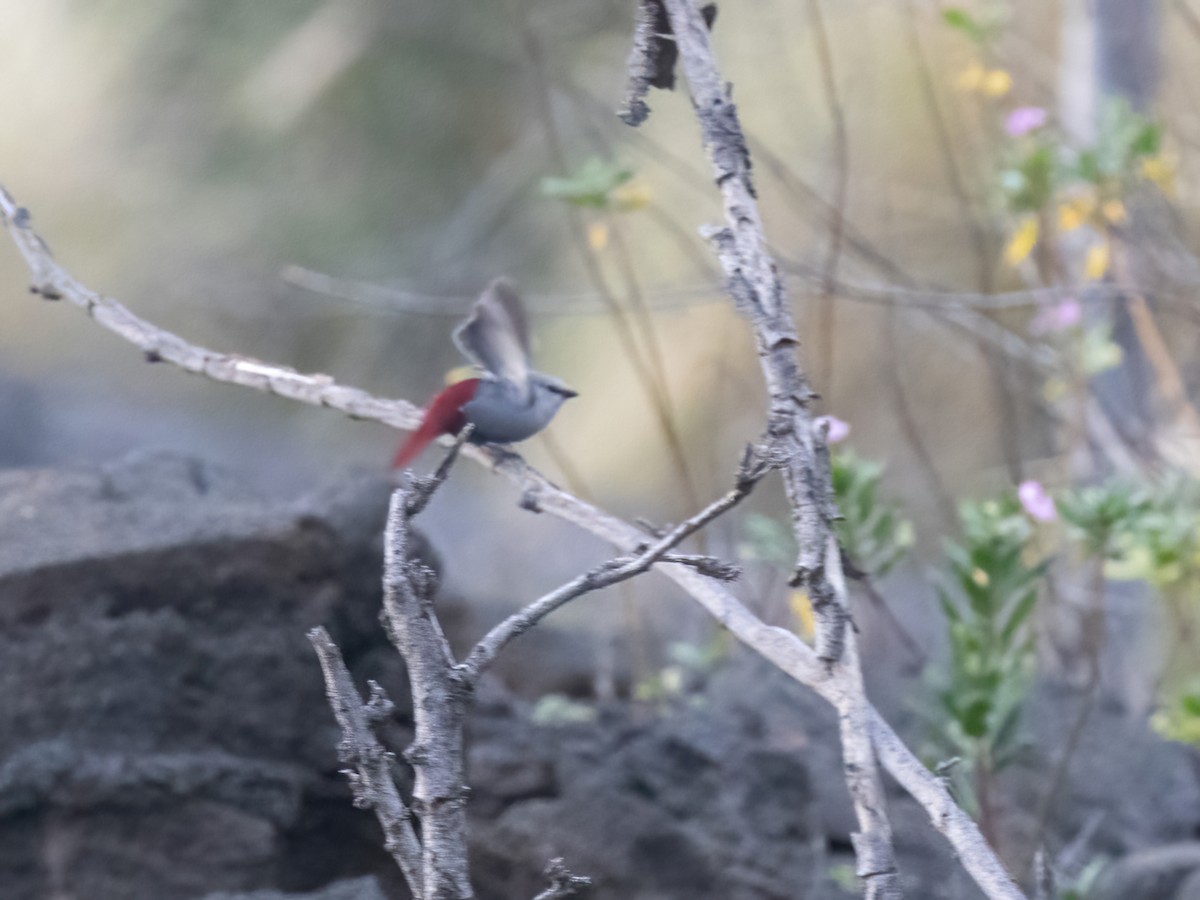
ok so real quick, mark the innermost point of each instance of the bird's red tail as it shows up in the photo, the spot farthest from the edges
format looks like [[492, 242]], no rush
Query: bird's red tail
[[444, 415]]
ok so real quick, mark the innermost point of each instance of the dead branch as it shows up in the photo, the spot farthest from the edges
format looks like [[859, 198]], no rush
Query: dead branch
[[562, 883], [437, 865], [752, 469], [778, 645], [754, 284], [439, 706], [371, 765]]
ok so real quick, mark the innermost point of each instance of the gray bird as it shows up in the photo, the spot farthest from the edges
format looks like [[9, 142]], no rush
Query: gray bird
[[508, 401]]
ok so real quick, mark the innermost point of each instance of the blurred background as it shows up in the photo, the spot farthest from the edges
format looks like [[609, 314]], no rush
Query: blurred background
[[200, 161], [327, 185], [984, 214]]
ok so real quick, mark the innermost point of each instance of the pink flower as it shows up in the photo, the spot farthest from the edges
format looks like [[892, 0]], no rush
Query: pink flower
[[1037, 503], [1024, 119], [1057, 317], [838, 430]]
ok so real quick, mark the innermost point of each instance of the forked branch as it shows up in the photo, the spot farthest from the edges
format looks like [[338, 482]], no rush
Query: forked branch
[[780, 646]]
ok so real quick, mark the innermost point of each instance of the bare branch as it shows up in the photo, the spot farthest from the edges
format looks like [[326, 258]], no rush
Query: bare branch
[[439, 708], [651, 62], [53, 282], [371, 779], [753, 468], [754, 283], [422, 489], [947, 817], [562, 883], [778, 645]]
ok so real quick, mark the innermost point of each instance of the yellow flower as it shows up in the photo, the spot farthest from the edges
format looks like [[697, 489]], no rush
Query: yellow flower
[[1074, 212], [1160, 171], [1077, 210], [1096, 264], [989, 82], [1021, 243], [997, 83], [632, 196], [597, 236], [1114, 211], [971, 77], [803, 611]]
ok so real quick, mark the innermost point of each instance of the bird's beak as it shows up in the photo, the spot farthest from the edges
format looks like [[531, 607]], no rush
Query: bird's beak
[[567, 393]]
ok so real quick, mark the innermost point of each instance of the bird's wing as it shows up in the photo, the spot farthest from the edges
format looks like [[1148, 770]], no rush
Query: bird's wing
[[495, 335]]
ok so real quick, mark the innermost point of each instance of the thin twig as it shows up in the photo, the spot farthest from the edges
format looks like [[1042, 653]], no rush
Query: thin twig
[[654, 386], [1093, 629], [954, 175], [753, 468], [371, 779], [1008, 421], [563, 884], [908, 421], [422, 489], [826, 328]]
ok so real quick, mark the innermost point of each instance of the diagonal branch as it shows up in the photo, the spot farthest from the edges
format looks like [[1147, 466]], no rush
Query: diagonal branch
[[53, 282], [778, 645], [752, 469], [371, 779], [754, 283]]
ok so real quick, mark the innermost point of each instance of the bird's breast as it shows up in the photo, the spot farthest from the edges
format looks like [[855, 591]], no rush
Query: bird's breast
[[503, 414]]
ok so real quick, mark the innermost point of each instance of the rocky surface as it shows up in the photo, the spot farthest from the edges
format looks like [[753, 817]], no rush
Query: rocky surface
[[164, 734], [350, 889]]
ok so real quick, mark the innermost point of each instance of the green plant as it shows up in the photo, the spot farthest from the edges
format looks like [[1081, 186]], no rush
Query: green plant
[[1081, 885], [592, 185], [689, 664], [1158, 541], [872, 530], [1179, 718], [1161, 543], [1105, 518], [987, 594]]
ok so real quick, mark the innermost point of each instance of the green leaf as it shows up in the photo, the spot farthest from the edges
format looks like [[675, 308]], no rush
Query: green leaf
[[974, 718], [1019, 614], [871, 529], [962, 21], [1030, 183], [1088, 166], [558, 709], [590, 186], [1148, 140]]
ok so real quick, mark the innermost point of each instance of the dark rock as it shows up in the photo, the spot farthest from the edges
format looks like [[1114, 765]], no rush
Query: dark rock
[[164, 733], [163, 723], [358, 889], [682, 806], [1155, 874]]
